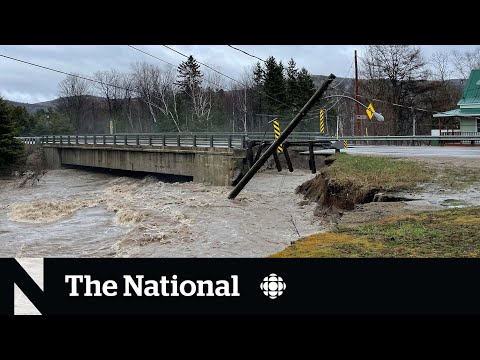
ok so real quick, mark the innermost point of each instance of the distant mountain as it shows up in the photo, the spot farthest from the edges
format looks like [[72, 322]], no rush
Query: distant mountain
[[32, 108]]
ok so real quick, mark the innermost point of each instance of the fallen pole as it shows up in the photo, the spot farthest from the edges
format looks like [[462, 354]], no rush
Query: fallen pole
[[273, 147]]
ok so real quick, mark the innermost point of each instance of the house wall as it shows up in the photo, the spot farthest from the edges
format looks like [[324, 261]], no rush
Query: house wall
[[468, 125]]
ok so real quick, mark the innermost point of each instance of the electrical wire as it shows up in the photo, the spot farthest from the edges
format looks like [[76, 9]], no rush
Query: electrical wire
[[175, 66], [345, 77], [81, 77], [246, 53], [228, 77]]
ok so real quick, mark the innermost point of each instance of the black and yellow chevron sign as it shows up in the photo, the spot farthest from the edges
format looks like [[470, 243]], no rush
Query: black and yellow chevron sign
[[276, 132], [322, 121], [345, 144]]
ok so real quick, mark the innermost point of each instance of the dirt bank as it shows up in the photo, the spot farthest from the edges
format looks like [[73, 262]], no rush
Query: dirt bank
[[447, 183]]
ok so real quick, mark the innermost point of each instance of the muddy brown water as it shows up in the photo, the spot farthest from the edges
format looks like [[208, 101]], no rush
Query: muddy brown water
[[75, 213]]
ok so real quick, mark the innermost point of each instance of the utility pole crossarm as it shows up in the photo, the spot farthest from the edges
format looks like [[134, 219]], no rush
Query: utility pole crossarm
[[273, 147]]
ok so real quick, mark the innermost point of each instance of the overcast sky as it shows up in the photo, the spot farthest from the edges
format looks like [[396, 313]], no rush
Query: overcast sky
[[24, 83]]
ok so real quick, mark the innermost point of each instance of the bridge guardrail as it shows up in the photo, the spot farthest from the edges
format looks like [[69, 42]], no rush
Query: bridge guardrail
[[232, 140]]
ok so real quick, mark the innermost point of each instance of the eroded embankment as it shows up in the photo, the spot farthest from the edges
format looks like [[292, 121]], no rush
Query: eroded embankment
[[350, 180]]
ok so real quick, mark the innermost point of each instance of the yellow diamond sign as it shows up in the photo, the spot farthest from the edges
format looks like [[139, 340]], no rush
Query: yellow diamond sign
[[370, 110]]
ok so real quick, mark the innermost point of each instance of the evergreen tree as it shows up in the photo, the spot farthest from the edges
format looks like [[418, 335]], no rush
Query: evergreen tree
[[10, 148], [305, 90], [190, 76], [275, 85], [258, 74], [52, 123], [292, 84], [306, 87], [22, 120]]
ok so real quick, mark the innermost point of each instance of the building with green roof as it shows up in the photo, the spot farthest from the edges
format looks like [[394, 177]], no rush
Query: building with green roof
[[468, 112]]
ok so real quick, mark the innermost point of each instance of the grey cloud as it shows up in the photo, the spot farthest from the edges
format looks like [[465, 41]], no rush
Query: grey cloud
[[21, 82]]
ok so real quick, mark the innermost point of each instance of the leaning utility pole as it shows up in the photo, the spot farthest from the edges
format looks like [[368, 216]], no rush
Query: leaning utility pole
[[357, 112], [273, 147]]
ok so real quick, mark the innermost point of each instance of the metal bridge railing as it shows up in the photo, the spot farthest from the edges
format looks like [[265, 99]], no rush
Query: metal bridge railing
[[236, 140]]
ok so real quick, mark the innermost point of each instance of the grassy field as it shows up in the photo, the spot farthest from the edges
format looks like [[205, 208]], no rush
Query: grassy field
[[448, 233], [355, 179], [376, 172]]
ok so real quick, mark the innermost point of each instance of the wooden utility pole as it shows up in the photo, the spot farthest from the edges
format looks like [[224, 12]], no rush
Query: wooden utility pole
[[357, 112], [283, 136]]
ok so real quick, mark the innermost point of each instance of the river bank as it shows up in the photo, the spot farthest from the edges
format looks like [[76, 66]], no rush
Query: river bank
[[437, 218]]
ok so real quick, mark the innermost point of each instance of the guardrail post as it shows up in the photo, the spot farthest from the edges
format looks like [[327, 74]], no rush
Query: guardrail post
[[150, 140], [54, 139], [229, 141], [125, 140], [287, 157], [68, 139], [137, 139], [47, 139], [243, 142], [164, 142], [211, 141], [312, 157], [94, 139], [85, 140], [194, 140], [61, 139], [104, 139], [114, 139], [178, 140], [76, 139]]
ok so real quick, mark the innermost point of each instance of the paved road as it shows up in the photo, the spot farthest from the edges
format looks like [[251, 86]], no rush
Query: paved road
[[412, 151]]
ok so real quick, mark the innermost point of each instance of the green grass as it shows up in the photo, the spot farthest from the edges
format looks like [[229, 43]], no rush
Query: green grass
[[447, 233], [376, 172]]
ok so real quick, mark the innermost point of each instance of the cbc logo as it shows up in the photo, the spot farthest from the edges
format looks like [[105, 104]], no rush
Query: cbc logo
[[273, 286]]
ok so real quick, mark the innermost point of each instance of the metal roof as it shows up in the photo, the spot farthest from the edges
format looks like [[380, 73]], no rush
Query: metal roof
[[459, 112], [471, 93]]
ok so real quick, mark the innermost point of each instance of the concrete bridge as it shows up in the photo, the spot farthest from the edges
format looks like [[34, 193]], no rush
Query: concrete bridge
[[216, 159], [211, 158]]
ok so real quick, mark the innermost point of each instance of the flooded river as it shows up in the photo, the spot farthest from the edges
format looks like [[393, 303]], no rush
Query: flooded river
[[76, 213]]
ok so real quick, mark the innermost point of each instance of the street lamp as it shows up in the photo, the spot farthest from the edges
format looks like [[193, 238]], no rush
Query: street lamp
[[377, 116]]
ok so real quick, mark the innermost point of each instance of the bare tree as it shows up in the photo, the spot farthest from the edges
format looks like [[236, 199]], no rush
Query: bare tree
[[156, 87], [168, 92], [127, 82], [395, 73], [466, 62], [146, 81], [203, 98], [440, 63], [109, 86], [74, 93]]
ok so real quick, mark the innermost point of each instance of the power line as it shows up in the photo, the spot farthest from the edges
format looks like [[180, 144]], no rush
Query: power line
[[62, 72], [82, 77], [133, 47], [348, 72], [175, 66], [246, 53], [228, 77]]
